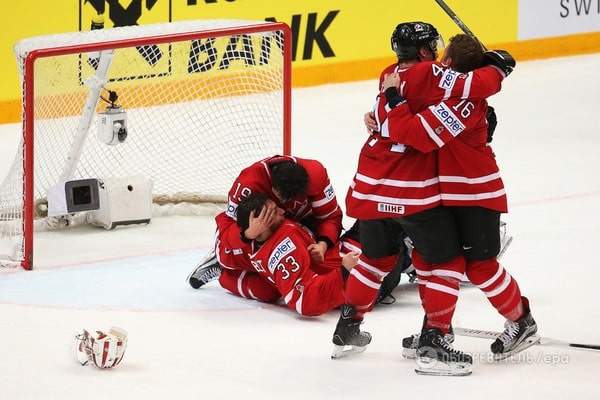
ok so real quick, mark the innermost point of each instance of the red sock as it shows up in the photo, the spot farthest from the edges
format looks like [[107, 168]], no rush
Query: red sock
[[500, 288], [364, 281], [440, 291]]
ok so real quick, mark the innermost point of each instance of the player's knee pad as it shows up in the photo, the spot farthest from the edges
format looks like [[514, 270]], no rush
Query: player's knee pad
[[380, 238]]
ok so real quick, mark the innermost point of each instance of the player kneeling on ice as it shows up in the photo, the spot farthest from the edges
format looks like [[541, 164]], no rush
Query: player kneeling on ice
[[300, 187], [281, 259], [103, 349]]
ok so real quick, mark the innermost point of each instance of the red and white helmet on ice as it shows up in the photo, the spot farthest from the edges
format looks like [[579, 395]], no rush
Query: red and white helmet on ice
[[103, 349]]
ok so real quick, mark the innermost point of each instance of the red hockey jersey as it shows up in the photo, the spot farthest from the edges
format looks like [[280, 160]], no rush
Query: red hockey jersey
[[307, 287], [394, 179], [319, 204], [457, 128]]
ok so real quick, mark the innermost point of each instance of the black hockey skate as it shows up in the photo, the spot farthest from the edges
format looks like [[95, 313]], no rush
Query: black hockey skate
[[410, 344], [517, 336], [435, 356], [208, 270], [348, 338]]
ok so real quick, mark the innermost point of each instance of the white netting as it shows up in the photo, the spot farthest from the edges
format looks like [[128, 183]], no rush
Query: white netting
[[198, 111]]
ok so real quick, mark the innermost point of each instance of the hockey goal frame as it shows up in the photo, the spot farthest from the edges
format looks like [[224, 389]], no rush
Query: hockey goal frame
[[29, 100]]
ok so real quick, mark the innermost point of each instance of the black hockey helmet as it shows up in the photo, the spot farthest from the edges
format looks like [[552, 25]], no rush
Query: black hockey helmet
[[409, 37]]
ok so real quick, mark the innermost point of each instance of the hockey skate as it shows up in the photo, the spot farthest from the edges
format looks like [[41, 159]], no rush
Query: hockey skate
[[410, 344], [517, 336], [207, 271], [435, 356], [348, 338]]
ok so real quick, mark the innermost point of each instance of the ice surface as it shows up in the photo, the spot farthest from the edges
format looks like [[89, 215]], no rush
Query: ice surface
[[186, 344]]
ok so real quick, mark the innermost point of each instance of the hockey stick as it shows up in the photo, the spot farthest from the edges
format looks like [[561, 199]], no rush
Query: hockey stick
[[544, 341], [457, 20]]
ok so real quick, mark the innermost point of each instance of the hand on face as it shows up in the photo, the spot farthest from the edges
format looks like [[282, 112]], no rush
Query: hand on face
[[270, 217]]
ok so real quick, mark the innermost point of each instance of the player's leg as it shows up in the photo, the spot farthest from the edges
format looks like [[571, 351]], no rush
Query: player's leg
[[207, 270], [440, 266], [350, 242], [249, 285], [320, 294], [222, 257], [379, 256], [480, 237]]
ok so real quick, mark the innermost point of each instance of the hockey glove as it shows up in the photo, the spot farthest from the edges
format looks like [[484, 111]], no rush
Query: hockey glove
[[393, 97], [492, 122], [500, 59]]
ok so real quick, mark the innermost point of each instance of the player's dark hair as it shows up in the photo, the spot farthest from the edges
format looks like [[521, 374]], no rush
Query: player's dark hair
[[466, 53], [289, 179], [255, 202]]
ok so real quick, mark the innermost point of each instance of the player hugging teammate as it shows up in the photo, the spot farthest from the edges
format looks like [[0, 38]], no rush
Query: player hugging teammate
[[427, 171]]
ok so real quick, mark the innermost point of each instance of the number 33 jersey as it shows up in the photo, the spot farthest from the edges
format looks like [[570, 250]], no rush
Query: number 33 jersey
[[307, 287]]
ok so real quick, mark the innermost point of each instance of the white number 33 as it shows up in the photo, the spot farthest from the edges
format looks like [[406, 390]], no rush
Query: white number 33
[[285, 274]]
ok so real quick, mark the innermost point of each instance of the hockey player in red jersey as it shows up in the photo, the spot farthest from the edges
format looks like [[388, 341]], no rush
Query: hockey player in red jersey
[[396, 187], [280, 256], [301, 187], [471, 190]]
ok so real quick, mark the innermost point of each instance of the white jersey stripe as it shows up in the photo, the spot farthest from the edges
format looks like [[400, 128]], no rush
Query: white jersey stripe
[[385, 130], [395, 182], [321, 202], [395, 200], [327, 215], [288, 296], [299, 304], [239, 284], [467, 88], [251, 294], [439, 142], [470, 181], [473, 197]]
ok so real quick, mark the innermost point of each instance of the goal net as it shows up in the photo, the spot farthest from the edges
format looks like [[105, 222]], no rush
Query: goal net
[[203, 99]]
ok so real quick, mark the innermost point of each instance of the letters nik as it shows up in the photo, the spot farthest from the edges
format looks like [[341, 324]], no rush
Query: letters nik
[[285, 247]]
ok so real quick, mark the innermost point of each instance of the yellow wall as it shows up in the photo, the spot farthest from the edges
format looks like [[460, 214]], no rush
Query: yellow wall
[[355, 33]]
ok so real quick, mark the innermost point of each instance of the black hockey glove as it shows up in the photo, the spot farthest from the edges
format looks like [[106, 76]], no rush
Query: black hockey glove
[[492, 122], [393, 97], [501, 59]]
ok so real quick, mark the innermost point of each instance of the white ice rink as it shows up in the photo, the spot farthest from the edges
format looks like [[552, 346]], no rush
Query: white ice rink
[[207, 344]]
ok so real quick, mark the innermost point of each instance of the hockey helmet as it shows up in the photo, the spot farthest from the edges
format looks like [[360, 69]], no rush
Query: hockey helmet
[[409, 37], [103, 349]]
